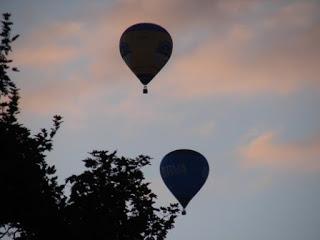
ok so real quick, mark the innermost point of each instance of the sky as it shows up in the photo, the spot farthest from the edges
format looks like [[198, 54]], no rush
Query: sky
[[241, 87]]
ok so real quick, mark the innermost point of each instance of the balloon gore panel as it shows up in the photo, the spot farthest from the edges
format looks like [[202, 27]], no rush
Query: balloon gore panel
[[184, 172], [146, 48]]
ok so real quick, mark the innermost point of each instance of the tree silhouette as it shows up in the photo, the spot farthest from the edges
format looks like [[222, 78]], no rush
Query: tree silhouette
[[112, 198], [109, 200]]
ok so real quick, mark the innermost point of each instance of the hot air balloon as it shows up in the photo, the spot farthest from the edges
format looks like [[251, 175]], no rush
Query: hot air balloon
[[184, 172], [145, 48]]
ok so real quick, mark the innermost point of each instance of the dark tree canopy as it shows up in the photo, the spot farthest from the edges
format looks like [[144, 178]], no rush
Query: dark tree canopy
[[109, 200], [112, 198]]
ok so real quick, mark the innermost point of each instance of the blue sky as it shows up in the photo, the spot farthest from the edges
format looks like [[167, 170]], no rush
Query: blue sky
[[242, 87]]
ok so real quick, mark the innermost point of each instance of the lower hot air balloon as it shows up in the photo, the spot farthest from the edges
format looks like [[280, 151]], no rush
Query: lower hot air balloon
[[184, 172], [145, 48]]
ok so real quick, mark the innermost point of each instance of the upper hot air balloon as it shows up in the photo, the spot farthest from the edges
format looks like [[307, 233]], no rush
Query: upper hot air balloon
[[146, 48], [184, 172]]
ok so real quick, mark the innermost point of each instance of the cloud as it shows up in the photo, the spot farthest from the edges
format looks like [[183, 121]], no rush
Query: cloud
[[221, 48], [57, 95], [49, 46], [45, 56], [178, 13], [250, 58], [181, 18], [267, 151], [231, 48], [293, 16]]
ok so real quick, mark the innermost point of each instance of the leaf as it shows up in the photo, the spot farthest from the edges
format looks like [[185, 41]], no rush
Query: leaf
[[15, 37]]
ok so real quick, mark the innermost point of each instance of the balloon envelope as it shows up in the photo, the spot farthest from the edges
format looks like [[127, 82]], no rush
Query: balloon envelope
[[146, 48], [184, 172]]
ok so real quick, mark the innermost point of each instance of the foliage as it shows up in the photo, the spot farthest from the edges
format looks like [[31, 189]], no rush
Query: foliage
[[113, 200], [29, 190], [109, 200]]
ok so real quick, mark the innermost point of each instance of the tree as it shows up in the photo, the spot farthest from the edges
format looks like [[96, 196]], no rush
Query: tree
[[109, 200], [30, 194]]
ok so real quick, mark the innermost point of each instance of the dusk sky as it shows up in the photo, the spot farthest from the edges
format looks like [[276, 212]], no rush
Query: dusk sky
[[242, 87]]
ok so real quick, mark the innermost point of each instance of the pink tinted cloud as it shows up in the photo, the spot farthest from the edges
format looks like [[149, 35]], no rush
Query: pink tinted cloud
[[178, 14], [276, 53], [76, 98], [48, 46], [65, 96], [242, 59], [178, 17], [292, 16], [246, 63], [267, 151], [45, 56]]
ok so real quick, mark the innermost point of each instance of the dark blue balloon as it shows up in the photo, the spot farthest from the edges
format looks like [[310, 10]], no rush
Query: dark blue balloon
[[184, 172]]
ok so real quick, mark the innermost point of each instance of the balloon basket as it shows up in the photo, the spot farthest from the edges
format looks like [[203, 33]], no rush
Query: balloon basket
[[145, 90], [184, 212]]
